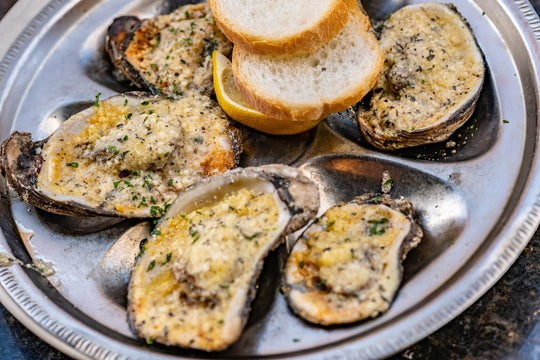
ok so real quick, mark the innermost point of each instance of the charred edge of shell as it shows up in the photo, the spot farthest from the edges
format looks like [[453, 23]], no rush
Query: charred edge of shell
[[432, 134], [237, 142], [119, 35], [22, 163], [291, 191]]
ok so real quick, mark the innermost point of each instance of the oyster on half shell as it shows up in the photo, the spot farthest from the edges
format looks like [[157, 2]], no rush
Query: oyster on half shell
[[431, 79], [126, 156], [169, 53], [196, 275], [346, 266]]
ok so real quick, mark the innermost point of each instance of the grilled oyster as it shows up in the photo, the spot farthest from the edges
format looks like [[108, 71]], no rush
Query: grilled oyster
[[127, 156], [431, 79], [347, 264], [169, 53], [196, 276]]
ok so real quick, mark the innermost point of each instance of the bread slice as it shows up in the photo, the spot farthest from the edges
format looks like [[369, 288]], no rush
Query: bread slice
[[281, 26], [311, 86]]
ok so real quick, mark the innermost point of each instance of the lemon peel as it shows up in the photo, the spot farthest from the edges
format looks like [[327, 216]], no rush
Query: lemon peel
[[231, 101]]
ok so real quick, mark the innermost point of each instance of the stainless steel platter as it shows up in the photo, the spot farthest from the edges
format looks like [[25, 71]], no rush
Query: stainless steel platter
[[478, 201]]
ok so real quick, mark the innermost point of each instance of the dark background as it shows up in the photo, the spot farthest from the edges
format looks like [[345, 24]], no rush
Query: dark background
[[503, 324]]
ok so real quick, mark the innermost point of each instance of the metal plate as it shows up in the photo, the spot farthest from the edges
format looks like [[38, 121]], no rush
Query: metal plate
[[479, 202]]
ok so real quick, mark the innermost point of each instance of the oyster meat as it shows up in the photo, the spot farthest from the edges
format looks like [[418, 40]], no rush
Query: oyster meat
[[346, 266], [194, 280], [431, 79], [126, 156], [168, 54]]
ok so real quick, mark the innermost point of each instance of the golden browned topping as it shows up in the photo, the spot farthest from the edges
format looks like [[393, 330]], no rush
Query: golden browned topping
[[190, 284], [174, 52], [133, 155]]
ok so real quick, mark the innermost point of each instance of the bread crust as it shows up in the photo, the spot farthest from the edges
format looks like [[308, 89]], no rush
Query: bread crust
[[283, 108], [308, 40]]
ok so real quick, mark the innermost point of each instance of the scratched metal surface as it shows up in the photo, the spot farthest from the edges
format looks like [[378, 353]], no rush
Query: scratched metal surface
[[478, 204]]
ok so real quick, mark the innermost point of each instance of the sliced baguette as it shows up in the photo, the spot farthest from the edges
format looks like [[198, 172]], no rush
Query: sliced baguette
[[281, 26], [311, 86]]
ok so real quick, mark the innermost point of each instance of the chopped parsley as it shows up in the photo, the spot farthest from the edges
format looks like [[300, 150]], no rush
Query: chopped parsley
[[377, 228], [96, 103], [252, 236], [194, 234], [167, 259], [143, 202], [73, 164], [147, 184]]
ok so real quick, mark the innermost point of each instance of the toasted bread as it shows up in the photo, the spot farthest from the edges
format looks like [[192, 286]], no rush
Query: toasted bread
[[311, 86], [281, 26]]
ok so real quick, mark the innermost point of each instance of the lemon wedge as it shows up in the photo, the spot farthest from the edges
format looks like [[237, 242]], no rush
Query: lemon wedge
[[231, 101]]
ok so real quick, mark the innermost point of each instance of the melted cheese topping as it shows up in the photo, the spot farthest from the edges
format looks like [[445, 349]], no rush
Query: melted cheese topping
[[132, 156], [348, 262], [190, 286], [174, 52], [432, 66]]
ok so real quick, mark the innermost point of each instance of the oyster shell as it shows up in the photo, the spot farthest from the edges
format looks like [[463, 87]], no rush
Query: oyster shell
[[430, 81], [346, 266], [170, 53], [127, 156], [194, 281]]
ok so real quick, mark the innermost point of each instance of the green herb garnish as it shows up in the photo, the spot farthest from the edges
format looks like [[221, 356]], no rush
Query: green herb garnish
[[167, 259], [96, 103], [376, 229]]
